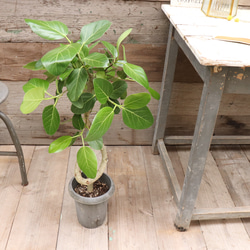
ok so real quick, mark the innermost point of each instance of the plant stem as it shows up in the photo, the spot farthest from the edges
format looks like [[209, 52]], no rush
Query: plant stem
[[90, 187]]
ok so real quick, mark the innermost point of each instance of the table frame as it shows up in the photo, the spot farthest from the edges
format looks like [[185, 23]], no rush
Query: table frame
[[217, 80]]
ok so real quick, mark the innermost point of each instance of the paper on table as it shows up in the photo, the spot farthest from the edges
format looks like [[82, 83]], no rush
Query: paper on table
[[234, 32]]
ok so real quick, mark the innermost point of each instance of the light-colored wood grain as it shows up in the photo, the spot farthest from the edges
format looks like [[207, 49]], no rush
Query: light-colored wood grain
[[38, 214], [10, 189], [143, 207], [204, 47], [131, 222], [221, 234], [146, 18], [233, 162], [71, 234], [164, 208], [233, 117]]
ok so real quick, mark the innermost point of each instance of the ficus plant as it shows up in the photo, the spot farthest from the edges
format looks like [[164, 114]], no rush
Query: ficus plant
[[86, 78]]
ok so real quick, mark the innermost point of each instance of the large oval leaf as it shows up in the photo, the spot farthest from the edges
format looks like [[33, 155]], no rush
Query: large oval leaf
[[137, 73], [137, 101], [78, 122], [87, 162], [138, 118], [122, 37], [32, 99], [50, 30], [96, 60], [76, 83], [85, 103], [103, 89], [93, 31], [57, 60], [60, 144], [34, 83], [111, 48], [51, 119], [101, 124], [119, 87], [97, 145]]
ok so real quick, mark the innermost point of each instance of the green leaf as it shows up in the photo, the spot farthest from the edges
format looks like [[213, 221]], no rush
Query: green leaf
[[84, 51], [87, 162], [60, 144], [119, 87], [85, 103], [110, 104], [50, 78], [50, 30], [137, 101], [74, 138], [138, 118], [77, 122], [35, 65], [111, 48], [122, 37], [121, 74], [93, 45], [97, 145], [76, 83], [65, 74], [154, 93], [57, 60], [101, 124], [60, 85], [34, 83], [32, 99], [137, 73], [96, 60], [94, 31], [103, 89], [51, 119]]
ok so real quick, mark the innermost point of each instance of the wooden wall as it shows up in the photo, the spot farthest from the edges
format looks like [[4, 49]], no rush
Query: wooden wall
[[145, 46]]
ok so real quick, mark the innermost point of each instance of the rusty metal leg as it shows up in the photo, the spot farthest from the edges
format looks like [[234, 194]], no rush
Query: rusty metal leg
[[208, 110], [19, 151]]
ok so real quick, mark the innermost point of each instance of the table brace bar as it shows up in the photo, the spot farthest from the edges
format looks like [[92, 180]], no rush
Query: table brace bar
[[217, 139]]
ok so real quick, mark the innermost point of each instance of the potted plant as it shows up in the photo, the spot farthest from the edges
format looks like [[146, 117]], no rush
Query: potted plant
[[87, 78]]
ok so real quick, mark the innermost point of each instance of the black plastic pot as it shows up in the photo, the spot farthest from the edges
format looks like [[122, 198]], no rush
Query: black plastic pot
[[91, 212]]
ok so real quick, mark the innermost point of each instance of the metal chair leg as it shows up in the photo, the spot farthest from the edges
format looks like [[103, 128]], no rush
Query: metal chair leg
[[19, 151]]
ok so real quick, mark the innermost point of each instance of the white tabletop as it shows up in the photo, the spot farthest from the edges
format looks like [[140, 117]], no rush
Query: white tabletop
[[201, 35]]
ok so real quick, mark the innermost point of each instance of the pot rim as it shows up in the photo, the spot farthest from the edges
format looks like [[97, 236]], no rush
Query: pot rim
[[91, 200]]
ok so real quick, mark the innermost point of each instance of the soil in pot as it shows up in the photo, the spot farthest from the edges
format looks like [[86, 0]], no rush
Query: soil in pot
[[98, 189]]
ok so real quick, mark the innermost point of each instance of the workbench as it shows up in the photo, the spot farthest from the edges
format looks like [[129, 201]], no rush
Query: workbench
[[219, 50]]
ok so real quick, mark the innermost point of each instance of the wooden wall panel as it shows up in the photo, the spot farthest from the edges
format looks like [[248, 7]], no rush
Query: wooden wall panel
[[145, 46]]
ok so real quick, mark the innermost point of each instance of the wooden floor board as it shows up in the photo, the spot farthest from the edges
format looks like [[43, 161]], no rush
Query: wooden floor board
[[131, 221], [164, 207], [140, 214], [38, 214], [221, 234], [10, 190]]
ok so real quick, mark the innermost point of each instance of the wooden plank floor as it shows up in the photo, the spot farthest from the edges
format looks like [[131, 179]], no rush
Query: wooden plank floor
[[141, 212]]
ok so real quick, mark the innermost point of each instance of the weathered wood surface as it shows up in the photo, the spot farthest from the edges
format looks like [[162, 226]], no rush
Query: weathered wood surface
[[149, 56], [233, 119], [145, 46], [202, 40], [213, 193], [141, 213]]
